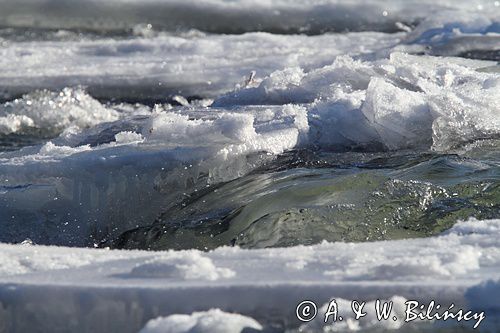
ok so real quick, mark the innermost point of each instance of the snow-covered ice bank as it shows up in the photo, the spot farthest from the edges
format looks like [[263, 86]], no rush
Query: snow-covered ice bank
[[53, 289], [192, 65], [222, 16]]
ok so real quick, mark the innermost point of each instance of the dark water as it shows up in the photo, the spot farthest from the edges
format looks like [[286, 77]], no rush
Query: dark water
[[13, 142], [305, 197]]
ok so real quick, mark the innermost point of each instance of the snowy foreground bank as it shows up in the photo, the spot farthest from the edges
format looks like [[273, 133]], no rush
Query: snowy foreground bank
[[57, 288]]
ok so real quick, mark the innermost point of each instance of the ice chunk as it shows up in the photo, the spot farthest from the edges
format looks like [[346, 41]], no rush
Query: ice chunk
[[180, 129], [401, 118], [210, 321], [127, 137]]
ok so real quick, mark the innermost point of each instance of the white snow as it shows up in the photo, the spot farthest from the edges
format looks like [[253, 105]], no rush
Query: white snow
[[13, 123]]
